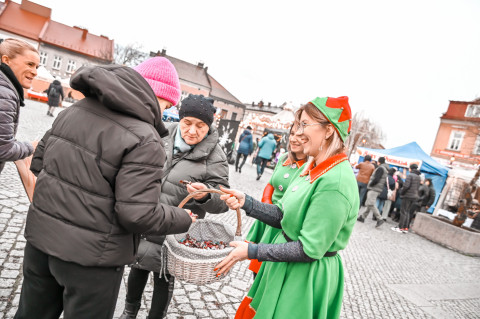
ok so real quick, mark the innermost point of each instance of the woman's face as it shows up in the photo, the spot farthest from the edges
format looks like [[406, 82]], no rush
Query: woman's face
[[193, 130], [24, 66], [312, 134], [164, 104], [296, 145]]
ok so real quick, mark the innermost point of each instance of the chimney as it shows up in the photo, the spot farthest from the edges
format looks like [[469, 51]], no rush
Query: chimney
[[84, 34], [269, 104], [260, 104], [164, 52], [253, 103], [200, 65]]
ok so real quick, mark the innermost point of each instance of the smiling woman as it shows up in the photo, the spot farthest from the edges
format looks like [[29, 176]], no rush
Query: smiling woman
[[19, 66]]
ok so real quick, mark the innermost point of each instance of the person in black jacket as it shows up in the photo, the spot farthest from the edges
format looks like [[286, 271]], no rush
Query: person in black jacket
[[99, 178], [19, 66], [55, 96], [428, 200], [408, 194]]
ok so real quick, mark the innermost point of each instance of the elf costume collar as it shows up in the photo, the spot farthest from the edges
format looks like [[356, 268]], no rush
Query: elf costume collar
[[317, 171], [298, 163], [338, 113]]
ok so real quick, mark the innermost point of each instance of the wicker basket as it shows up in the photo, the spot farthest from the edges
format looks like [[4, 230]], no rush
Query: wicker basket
[[195, 265]]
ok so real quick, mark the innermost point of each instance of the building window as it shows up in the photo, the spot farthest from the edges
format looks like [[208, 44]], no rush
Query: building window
[[234, 116], [455, 141], [71, 66], [43, 58], [476, 150], [473, 110], [223, 114], [57, 62]]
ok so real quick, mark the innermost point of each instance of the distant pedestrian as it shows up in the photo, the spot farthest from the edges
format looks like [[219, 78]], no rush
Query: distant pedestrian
[[55, 96], [375, 187], [428, 200], [392, 185], [99, 182], [20, 61], [408, 194], [365, 170], [245, 148], [266, 147]]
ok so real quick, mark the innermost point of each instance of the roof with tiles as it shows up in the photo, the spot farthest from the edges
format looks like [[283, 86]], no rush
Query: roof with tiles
[[33, 21], [78, 40], [24, 19]]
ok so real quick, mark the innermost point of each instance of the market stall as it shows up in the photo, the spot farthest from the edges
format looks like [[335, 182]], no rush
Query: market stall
[[402, 157]]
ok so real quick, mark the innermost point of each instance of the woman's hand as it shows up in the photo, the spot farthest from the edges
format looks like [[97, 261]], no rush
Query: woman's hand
[[192, 215], [234, 199], [195, 187], [238, 254]]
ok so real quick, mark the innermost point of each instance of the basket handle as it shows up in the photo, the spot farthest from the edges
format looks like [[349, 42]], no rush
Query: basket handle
[[213, 190]]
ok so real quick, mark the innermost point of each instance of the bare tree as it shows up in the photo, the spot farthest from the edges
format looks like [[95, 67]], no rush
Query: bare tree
[[364, 133], [130, 54]]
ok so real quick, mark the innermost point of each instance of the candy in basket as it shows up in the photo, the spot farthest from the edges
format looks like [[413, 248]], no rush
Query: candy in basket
[[195, 264]]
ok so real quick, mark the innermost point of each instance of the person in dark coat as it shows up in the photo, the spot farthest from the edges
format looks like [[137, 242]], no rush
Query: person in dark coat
[[409, 195], [193, 154], [55, 96], [428, 200], [99, 174], [245, 148], [20, 61]]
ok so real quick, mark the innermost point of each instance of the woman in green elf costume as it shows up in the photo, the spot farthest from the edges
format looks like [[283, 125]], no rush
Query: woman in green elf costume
[[302, 274], [286, 167]]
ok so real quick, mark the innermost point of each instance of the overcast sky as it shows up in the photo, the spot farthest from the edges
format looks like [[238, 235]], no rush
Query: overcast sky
[[400, 62]]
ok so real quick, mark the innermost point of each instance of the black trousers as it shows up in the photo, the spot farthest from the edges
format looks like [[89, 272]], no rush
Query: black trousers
[[237, 160], [51, 285], [406, 212], [162, 291]]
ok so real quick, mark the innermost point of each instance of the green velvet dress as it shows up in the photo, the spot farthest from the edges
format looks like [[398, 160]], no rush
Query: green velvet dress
[[320, 209], [281, 177]]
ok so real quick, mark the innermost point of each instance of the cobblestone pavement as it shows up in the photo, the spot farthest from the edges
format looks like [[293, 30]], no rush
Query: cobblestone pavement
[[387, 274]]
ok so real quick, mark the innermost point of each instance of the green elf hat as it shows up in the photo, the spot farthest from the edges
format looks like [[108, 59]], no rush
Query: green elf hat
[[337, 111]]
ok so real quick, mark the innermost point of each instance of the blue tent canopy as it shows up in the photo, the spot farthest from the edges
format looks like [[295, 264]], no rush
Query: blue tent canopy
[[431, 168]]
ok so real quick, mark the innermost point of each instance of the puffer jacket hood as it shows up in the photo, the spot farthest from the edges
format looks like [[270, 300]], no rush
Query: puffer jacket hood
[[137, 99]]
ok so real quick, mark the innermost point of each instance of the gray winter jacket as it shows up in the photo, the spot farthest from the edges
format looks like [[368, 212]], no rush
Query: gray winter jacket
[[99, 173], [205, 163], [411, 185], [378, 178], [10, 148]]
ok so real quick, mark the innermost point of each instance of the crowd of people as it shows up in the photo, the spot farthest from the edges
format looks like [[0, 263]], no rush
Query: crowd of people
[[383, 188], [110, 175]]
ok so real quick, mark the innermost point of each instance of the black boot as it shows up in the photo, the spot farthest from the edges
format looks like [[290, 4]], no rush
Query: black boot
[[130, 311]]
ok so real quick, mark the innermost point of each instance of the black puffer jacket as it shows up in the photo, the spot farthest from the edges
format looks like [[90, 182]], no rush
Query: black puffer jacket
[[54, 92], [10, 101], [411, 185], [100, 169]]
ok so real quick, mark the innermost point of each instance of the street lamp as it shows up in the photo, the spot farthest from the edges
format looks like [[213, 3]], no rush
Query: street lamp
[[452, 159]]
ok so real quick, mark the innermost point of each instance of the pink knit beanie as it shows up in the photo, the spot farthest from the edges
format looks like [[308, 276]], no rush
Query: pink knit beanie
[[160, 73]]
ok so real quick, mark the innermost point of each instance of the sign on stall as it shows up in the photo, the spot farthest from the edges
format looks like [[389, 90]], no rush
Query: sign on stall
[[389, 159]]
